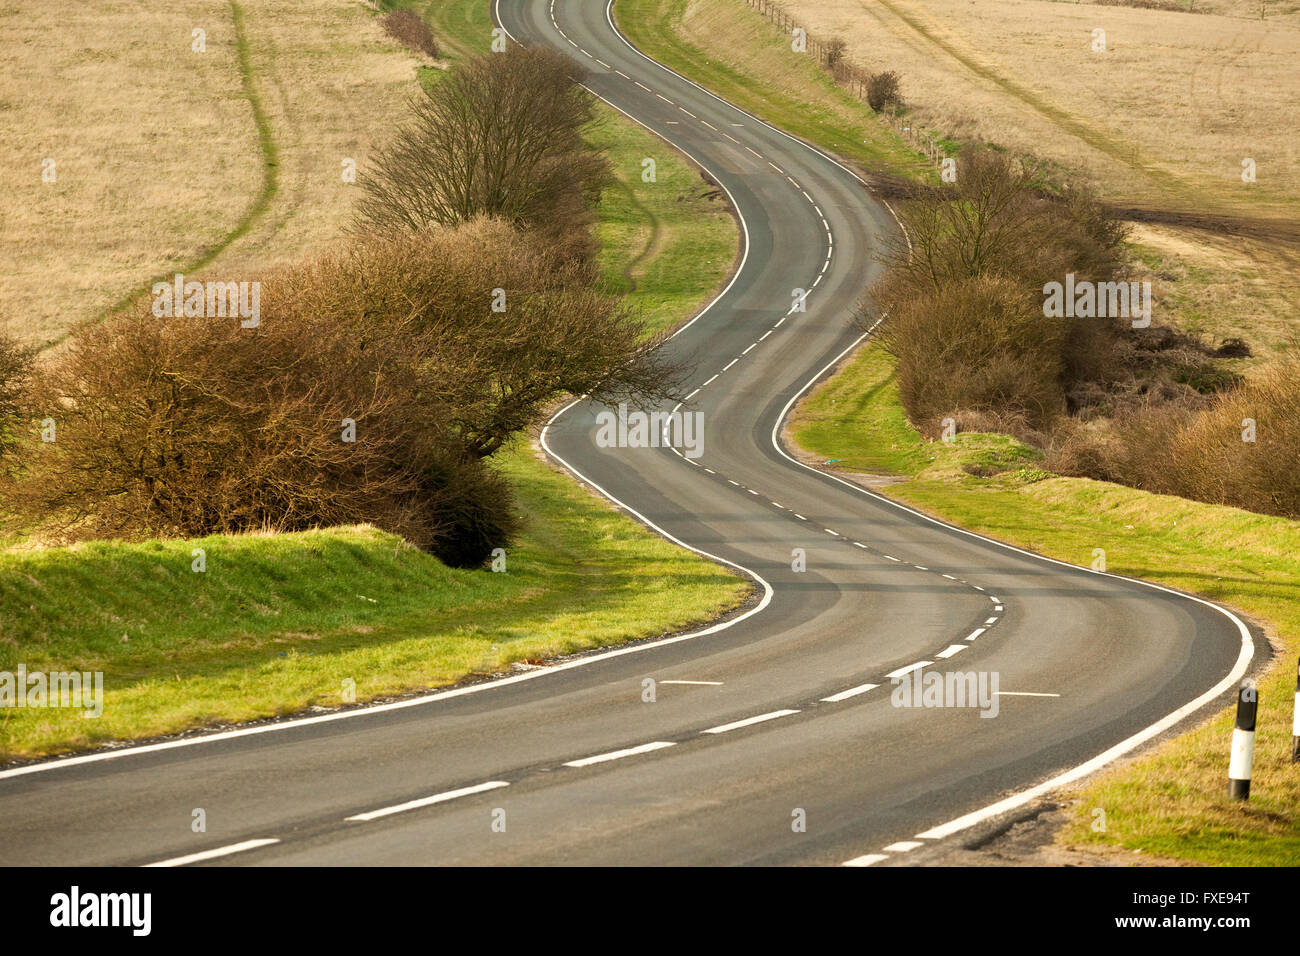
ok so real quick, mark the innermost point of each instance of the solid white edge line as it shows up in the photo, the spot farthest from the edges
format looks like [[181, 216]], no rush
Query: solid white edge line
[[748, 721], [426, 801], [620, 754], [609, 17], [214, 854]]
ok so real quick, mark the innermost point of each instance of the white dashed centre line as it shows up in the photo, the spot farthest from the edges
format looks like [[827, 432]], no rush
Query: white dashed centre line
[[953, 649], [213, 854], [902, 846], [908, 669], [429, 801], [619, 754], [749, 721], [851, 692]]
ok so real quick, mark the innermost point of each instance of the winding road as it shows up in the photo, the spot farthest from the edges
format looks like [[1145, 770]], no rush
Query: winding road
[[771, 738]]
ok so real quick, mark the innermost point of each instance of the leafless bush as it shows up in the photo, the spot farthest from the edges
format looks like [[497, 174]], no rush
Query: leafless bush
[[964, 302], [1238, 447], [835, 49], [501, 137], [976, 344], [555, 334], [407, 28], [883, 91], [193, 426]]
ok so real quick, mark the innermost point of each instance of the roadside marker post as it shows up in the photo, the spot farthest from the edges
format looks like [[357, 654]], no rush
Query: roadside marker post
[[1243, 742], [1295, 720]]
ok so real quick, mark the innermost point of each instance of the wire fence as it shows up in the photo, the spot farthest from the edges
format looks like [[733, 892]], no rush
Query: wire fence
[[830, 56]]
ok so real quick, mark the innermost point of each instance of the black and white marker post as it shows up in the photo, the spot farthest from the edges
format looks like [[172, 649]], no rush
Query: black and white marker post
[[1295, 720], [1243, 743]]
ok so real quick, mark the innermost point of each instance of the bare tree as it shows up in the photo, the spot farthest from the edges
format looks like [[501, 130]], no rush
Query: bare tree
[[501, 136]]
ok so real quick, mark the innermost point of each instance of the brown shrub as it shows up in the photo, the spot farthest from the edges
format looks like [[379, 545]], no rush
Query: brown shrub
[[976, 344], [883, 91], [195, 426], [1215, 464], [192, 426], [556, 333], [407, 28], [834, 52], [1197, 450]]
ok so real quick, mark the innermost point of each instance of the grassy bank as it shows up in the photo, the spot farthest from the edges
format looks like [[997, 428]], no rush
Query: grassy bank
[[279, 623]]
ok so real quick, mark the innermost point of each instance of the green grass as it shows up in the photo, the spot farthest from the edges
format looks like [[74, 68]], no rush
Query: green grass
[[460, 26], [277, 623], [1170, 804], [667, 244]]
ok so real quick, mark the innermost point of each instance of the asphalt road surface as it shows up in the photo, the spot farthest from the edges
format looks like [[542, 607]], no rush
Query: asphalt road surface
[[822, 769]]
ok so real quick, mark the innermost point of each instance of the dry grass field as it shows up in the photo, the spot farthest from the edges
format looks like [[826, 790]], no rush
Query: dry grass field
[[1165, 114], [1160, 121], [161, 162]]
